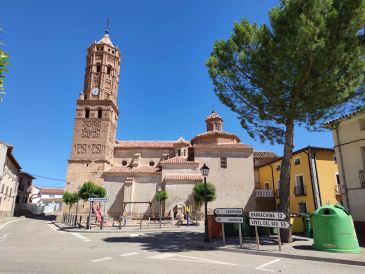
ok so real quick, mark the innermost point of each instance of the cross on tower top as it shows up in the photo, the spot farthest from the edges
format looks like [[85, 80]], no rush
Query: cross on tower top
[[107, 25]]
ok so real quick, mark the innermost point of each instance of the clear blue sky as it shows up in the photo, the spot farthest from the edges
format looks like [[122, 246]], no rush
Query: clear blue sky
[[165, 90]]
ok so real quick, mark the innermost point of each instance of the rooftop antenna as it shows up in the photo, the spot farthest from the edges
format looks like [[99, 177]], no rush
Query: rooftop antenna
[[107, 26]]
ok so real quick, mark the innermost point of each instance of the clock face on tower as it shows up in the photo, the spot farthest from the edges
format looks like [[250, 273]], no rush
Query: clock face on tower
[[95, 91]]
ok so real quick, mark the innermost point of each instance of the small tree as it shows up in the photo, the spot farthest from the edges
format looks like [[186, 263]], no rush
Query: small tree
[[91, 190], [198, 194], [161, 196], [69, 198]]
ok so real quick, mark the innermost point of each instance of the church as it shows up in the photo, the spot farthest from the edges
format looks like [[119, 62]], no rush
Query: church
[[133, 171]]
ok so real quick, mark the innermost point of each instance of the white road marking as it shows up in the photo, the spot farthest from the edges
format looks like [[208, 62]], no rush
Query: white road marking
[[182, 258], [3, 225], [2, 238], [53, 227], [101, 259], [135, 235], [81, 237], [129, 254], [261, 267]]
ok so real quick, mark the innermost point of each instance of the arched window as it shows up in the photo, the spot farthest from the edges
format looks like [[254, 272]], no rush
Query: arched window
[[100, 113], [87, 113], [98, 68], [108, 70]]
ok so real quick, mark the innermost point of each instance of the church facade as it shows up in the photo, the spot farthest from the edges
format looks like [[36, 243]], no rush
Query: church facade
[[133, 171]]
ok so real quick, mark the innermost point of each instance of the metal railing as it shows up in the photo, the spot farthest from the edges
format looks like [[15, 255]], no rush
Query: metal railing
[[264, 193], [300, 190], [362, 177]]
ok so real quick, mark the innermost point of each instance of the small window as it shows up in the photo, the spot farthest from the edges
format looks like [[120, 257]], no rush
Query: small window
[[303, 207], [17, 199], [179, 152], [338, 179], [87, 113], [108, 70], [124, 163], [2, 188], [100, 113], [7, 189], [335, 158], [266, 186], [297, 161], [278, 167], [98, 68], [151, 163], [223, 162]]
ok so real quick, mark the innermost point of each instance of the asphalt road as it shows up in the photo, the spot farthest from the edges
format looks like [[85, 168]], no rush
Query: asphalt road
[[35, 246]]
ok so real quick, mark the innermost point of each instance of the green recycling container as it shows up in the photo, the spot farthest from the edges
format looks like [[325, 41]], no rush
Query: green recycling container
[[333, 230]]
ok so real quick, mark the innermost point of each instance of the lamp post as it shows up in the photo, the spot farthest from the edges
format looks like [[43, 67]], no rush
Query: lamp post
[[77, 204], [159, 207], [205, 171]]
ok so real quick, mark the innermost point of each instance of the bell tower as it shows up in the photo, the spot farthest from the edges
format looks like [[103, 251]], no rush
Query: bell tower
[[97, 113]]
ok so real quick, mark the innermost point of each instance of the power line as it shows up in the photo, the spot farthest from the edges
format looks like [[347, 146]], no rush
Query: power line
[[48, 178]]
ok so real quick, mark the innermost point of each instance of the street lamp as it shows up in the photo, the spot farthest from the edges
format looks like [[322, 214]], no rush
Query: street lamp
[[77, 205], [159, 207], [205, 171]]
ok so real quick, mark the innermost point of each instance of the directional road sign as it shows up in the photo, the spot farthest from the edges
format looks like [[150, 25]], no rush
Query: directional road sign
[[268, 215], [228, 211], [269, 223], [105, 199], [228, 219]]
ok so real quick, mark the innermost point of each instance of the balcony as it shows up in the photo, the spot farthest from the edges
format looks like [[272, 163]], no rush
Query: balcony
[[362, 177], [300, 191], [264, 193]]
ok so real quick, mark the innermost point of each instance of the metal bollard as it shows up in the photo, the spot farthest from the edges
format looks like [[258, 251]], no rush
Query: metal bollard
[[101, 222]]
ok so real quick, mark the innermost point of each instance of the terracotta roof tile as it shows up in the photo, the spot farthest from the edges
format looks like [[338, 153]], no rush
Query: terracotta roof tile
[[51, 191], [181, 141], [330, 122], [134, 170], [264, 155], [184, 177], [218, 133], [145, 144], [238, 146], [179, 160]]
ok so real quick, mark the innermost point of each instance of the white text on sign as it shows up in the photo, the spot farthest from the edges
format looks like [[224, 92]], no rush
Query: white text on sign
[[269, 223]]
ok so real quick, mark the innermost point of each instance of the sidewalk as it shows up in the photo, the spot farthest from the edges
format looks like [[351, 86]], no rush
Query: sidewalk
[[300, 248]]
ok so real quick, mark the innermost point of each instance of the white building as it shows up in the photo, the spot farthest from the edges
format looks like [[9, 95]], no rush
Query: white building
[[9, 170], [349, 139]]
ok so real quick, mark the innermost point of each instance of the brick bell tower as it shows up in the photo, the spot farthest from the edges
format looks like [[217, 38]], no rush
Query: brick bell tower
[[96, 115]]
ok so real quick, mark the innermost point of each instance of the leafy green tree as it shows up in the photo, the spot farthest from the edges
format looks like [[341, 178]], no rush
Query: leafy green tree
[[198, 193], [91, 190], [69, 198], [306, 67], [3, 63], [161, 196]]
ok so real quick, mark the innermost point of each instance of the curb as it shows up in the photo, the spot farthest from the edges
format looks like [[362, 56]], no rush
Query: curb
[[144, 230], [291, 256]]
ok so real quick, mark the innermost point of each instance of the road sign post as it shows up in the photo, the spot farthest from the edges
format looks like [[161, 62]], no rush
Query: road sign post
[[230, 216], [268, 219]]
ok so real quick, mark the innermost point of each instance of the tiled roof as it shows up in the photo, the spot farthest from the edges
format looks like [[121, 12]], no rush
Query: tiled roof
[[223, 146], [330, 122], [178, 160], [213, 115], [181, 141], [106, 40], [51, 200], [27, 175], [145, 144], [184, 177], [219, 133], [264, 155], [134, 170], [51, 191]]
